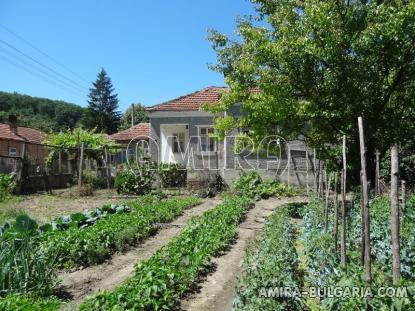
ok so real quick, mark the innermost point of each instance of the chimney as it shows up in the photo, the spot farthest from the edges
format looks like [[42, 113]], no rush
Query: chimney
[[13, 123]]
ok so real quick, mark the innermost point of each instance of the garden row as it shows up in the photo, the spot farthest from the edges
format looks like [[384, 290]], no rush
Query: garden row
[[272, 263], [281, 260], [158, 283], [31, 257], [325, 270]]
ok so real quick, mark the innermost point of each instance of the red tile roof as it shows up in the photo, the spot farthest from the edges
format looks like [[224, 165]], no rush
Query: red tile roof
[[193, 101], [138, 131], [24, 134]]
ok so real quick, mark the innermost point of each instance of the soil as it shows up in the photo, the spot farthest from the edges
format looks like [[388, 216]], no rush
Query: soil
[[218, 291], [45, 207], [78, 284]]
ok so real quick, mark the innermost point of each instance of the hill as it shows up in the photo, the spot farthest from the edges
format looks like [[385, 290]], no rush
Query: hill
[[40, 113]]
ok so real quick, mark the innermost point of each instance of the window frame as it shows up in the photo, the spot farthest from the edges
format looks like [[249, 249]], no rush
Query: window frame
[[209, 139]]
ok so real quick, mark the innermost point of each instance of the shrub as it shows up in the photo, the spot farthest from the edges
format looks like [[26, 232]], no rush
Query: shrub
[[172, 175], [97, 182], [215, 185], [137, 180], [251, 184], [7, 185], [85, 190]]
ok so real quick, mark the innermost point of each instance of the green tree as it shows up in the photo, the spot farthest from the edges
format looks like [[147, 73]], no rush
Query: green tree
[[139, 116], [320, 65], [40, 113], [102, 113]]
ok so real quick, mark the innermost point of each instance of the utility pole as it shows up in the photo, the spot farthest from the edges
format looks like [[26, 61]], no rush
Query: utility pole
[[132, 115]]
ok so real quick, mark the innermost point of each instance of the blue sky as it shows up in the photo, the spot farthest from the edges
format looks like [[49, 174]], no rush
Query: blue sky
[[152, 50]]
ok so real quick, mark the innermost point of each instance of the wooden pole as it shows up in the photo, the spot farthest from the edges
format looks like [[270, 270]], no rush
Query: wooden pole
[[396, 266], [60, 163], [403, 193], [362, 216], [336, 213], [343, 216], [107, 169], [377, 182], [81, 160], [315, 170], [368, 266], [306, 167], [326, 206], [320, 181], [289, 165]]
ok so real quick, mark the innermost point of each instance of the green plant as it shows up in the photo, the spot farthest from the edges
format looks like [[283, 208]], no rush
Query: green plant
[[91, 177], [26, 303], [25, 268], [273, 264], [7, 185], [158, 282], [250, 183], [93, 244], [172, 175], [135, 180]]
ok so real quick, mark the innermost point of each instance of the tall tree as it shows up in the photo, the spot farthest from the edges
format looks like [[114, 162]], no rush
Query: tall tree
[[321, 64], [102, 111], [139, 116]]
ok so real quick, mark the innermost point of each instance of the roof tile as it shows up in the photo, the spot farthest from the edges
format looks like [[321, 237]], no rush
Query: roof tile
[[191, 102], [24, 134], [138, 131]]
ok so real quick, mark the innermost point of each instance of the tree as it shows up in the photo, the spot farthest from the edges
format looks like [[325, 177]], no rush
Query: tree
[[319, 65], [102, 111], [139, 116], [40, 113]]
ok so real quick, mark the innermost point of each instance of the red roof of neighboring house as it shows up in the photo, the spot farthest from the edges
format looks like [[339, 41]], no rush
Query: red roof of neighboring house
[[138, 131], [193, 101], [24, 134]]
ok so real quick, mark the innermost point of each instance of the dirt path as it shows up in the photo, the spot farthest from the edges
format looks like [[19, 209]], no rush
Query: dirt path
[[218, 291], [108, 275]]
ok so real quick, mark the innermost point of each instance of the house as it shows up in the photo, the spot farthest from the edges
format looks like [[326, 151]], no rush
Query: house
[[14, 140], [181, 132], [132, 141]]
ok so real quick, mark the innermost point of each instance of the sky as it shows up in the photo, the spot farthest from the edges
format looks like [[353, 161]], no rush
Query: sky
[[152, 50]]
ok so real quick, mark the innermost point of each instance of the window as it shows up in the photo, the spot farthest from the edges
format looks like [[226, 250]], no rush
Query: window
[[178, 142], [207, 141], [12, 152]]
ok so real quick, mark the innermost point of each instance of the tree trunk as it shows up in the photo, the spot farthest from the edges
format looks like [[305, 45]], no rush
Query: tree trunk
[[336, 213], [368, 266], [395, 215], [315, 171]]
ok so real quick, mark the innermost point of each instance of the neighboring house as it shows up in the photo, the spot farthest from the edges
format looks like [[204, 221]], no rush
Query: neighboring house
[[14, 139], [181, 132], [133, 142]]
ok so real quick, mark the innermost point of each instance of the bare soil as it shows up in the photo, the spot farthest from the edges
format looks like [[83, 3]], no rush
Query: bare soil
[[78, 284], [45, 207], [218, 291]]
